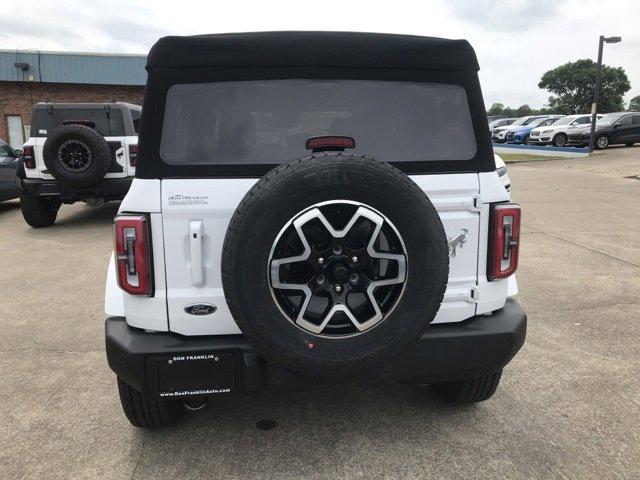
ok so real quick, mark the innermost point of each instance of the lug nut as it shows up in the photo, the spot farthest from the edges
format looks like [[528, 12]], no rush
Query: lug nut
[[337, 250], [353, 278], [320, 260], [320, 279], [354, 259], [337, 288]]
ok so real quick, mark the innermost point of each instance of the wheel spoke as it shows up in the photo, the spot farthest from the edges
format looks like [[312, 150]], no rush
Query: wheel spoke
[[339, 302], [74, 155]]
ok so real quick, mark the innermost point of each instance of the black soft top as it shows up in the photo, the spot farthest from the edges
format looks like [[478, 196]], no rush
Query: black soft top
[[238, 57], [312, 49]]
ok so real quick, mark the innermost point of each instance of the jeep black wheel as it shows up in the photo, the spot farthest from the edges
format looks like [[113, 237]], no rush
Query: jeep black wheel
[[77, 155], [145, 413], [602, 142], [39, 212], [346, 259], [560, 140], [473, 390]]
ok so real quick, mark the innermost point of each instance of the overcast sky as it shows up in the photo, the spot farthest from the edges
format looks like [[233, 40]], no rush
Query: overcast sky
[[516, 41]]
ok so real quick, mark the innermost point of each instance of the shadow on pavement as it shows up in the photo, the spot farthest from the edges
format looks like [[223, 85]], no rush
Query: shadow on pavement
[[86, 216], [9, 206], [316, 433]]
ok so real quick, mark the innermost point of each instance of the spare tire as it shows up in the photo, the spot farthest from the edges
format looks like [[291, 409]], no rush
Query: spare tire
[[77, 155], [334, 264]]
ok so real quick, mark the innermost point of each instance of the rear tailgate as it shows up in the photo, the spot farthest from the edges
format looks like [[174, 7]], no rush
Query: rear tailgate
[[196, 213]]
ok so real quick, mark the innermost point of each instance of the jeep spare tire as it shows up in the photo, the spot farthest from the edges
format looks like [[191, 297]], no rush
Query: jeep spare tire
[[334, 264], [77, 155]]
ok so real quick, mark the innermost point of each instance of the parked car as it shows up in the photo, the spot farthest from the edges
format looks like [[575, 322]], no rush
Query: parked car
[[503, 174], [267, 255], [621, 128], [557, 134], [77, 152], [499, 133], [522, 133], [9, 159], [502, 122]]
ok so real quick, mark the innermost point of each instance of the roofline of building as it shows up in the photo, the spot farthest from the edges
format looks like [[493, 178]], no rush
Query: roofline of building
[[88, 54]]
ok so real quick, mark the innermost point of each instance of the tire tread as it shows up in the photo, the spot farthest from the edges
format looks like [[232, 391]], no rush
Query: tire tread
[[473, 390], [38, 212], [143, 413]]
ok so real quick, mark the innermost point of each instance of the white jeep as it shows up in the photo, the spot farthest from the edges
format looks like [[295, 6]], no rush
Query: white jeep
[[311, 207], [76, 152]]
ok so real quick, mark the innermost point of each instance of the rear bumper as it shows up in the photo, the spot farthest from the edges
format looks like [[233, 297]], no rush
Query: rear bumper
[[108, 188], [171, 365]]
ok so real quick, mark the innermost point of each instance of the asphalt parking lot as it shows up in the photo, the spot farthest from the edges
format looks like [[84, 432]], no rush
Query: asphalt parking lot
[[568, 405]]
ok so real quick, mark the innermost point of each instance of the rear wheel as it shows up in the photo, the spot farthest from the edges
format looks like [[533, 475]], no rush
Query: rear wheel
[[39, 212], [145, 413], [474, 390], [560, 140], [602, 142]]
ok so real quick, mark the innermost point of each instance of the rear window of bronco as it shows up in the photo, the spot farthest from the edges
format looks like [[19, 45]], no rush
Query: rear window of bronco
[[106, 124], [268, 121]]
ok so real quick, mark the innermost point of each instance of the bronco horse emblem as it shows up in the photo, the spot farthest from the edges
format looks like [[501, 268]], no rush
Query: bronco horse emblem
[[457, 241]]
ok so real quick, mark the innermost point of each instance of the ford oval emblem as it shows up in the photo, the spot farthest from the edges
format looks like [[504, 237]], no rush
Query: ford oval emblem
[[200, 309]]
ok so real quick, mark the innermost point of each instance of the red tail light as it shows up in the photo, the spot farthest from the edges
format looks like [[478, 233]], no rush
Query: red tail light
[[505, 240], [329, 143], [28, 159], [133, 155], [133, 254]]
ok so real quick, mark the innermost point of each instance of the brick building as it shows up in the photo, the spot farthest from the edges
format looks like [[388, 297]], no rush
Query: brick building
[[28, 77]]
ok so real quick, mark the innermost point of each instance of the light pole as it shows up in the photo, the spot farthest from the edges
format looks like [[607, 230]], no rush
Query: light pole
[[594, 105]]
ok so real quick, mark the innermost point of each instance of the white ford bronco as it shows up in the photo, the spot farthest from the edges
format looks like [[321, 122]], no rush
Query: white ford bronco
[[76, 152], [311, 207]]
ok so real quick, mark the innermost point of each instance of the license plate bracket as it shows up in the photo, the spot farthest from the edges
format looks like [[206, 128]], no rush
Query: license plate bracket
[[189, 375]]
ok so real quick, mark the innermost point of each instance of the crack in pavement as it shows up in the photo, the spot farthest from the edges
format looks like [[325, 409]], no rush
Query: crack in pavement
[[535, 230], [579, 309]]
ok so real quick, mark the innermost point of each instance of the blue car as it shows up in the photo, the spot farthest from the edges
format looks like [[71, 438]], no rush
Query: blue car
[[521, 134]]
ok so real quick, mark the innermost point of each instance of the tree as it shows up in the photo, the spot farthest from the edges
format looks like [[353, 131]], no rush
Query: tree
[[573, 85], [634, 104], [523, 111], [496, 109]]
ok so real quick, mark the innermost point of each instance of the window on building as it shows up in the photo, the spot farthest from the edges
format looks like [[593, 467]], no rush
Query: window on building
[[15, 131]]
